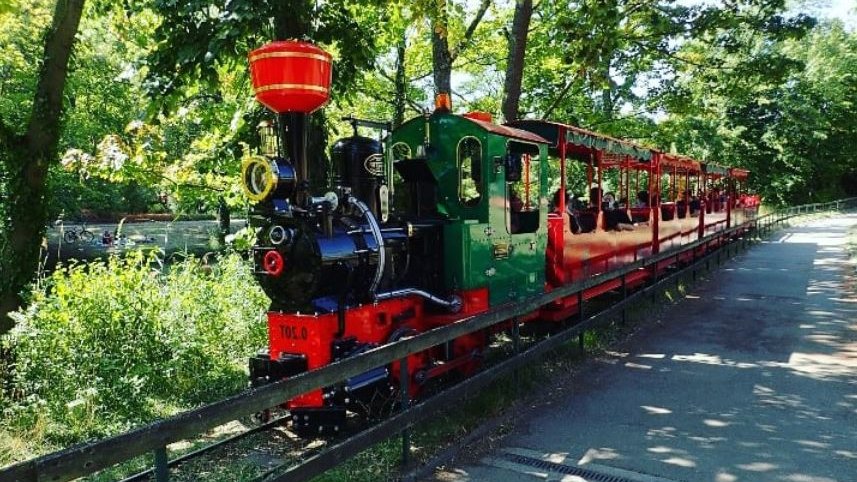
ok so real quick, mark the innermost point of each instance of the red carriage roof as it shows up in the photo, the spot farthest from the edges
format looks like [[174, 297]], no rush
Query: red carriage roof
[[680, 163], [739, 174]]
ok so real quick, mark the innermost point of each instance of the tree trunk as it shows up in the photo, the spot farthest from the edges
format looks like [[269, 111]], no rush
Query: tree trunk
[[29, 158], [294, 21], [442, 56], [607, 103], [441, 59], [515, 59], [400, 82]]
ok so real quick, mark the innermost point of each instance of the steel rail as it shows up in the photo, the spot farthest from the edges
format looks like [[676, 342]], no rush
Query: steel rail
[[85, 459], [144, 475]]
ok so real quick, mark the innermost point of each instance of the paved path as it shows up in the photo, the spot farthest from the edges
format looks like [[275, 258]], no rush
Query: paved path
[[752, 378]]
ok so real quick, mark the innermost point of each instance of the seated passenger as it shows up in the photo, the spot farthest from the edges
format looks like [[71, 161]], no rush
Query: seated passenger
[[555, 201], [515, 207], [681, 205], [573, 222], [694, 205], [594, 197], [572, 203], [608, 201], [667, 212], [642, 200], [586, 221]]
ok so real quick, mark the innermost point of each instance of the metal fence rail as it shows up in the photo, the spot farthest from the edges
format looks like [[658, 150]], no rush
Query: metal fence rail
[[89, 458]]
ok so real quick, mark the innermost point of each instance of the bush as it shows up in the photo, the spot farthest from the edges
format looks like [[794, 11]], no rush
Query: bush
[[111, 344]]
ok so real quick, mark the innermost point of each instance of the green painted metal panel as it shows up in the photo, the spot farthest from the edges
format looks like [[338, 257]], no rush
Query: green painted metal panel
[[479, 251]]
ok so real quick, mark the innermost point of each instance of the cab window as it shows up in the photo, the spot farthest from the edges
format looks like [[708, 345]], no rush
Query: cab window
[[469, 171], [401, 189], [523, 196]]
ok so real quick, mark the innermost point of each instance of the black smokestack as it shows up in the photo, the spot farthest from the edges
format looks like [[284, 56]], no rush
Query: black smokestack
[[295, 139]]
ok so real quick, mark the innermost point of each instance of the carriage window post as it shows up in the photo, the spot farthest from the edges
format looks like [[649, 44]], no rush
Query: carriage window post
[[599, 159], [562, 173]]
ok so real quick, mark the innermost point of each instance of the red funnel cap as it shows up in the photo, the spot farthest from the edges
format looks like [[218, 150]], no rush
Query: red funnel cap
[[291, 76]]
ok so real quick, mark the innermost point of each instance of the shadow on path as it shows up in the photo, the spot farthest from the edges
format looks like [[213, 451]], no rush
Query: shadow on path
[[753, 377]]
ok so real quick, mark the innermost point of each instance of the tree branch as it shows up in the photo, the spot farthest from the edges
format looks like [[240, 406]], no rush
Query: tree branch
[[386, 75], [411, 103], [559, 97], [187, 185], [468, 34], [676, 56]]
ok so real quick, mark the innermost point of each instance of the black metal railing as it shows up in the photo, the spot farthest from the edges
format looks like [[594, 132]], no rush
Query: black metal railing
[[92, 457]]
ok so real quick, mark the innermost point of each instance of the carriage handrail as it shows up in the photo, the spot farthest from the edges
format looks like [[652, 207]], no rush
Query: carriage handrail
[[88, 458]]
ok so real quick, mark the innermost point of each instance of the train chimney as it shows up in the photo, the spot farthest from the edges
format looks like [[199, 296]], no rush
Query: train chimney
[[292, 78]]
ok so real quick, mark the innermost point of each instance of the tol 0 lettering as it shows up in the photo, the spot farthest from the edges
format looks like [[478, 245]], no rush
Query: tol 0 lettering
[[294, 333]]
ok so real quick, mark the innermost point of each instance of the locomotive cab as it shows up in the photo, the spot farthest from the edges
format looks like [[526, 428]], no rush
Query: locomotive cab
[[490, 191]]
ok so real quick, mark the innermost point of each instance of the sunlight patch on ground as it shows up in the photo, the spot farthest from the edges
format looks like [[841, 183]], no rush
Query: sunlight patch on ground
[[725, 477], [758, 467], [637, 365], [843, 363], [680, 461], [656, 410], [603, 453]]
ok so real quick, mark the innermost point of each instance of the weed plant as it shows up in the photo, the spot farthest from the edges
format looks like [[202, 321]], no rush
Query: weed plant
[[108, 345]]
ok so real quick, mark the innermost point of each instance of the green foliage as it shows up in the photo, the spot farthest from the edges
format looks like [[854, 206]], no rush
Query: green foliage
[[74, 196], [782, 109], [108, 345], [201, 40]]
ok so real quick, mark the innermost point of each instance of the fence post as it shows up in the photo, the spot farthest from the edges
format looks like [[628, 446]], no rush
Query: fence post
[[580, 314], [693, 265], [654, 280], [516, 346], [406, 402], [624, 297], [677, 278], [162, 470]]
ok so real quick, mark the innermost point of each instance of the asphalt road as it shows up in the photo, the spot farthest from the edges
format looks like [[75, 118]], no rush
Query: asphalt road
[[753, 377]]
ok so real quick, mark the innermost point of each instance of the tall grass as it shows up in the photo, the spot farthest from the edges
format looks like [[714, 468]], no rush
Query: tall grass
[[111, 344]]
